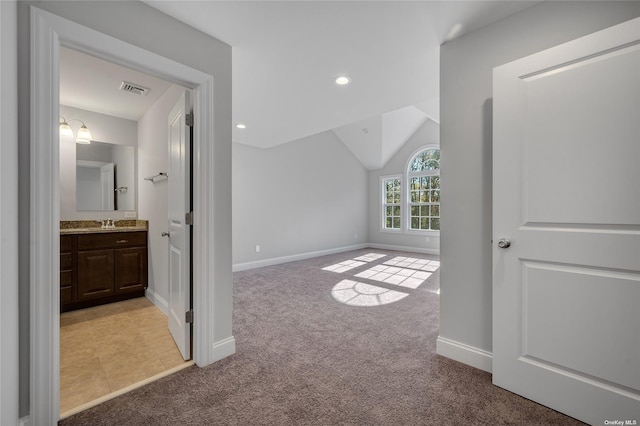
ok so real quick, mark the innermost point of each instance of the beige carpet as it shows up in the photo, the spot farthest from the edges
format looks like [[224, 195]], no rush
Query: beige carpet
[[312, 351]]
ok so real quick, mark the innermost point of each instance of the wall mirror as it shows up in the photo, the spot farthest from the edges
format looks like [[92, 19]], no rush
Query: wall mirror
[[105, 177]]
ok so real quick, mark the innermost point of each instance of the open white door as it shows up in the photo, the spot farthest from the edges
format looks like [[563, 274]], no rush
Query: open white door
[[107, 185], [179, 231], [566, 295]]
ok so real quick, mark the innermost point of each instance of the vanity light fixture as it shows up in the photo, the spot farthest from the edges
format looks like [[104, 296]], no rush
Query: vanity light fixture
[[342, 80], [241, 126], [84, 135], [65, 129]]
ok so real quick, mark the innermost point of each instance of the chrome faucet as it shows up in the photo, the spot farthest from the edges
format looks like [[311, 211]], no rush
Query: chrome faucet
[[108, 224]]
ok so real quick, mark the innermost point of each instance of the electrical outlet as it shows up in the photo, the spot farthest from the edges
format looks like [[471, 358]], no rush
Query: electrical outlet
[[257, 248]]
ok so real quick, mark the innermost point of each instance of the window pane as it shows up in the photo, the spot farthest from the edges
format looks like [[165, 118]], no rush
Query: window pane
[[396, 210], [424, 223], [388, 223], [389, 185], [424, 196], [415, 211], [435, 182], [435, 211], [415, 196], [435, 196], [396, 197], [415, 222], [415, 183], [425, 183], [389, 210], [435, 224], [424, 211], [396, 184], [396, 222], [428, 159], [389, 197]]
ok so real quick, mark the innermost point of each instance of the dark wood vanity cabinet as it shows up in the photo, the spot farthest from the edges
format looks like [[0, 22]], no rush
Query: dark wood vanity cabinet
[[105, 267]]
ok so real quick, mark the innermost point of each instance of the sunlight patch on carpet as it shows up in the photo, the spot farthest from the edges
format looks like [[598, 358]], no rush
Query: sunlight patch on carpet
[[347, 265], [370, 257], [402, 277], [343, 266], [354, 293], [413, 263]]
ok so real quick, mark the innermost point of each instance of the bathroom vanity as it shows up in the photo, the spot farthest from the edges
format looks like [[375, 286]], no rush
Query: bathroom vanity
[[99, 266]]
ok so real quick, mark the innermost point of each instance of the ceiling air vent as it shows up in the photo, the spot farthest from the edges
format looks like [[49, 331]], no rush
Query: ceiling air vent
[[133, 88]]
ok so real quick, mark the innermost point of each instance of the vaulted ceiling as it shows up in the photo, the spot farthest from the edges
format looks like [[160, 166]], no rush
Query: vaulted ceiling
[[287, 54]]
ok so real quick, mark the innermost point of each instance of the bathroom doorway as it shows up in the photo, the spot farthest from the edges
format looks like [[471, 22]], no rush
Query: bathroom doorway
[[115, 337], [212, 338]]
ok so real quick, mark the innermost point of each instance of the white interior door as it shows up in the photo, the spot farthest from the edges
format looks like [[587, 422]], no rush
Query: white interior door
[[566, 295], [107, 180], [179, 232]]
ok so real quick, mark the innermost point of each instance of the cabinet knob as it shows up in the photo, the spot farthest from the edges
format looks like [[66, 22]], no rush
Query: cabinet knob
[[122, 241], [165, 234]]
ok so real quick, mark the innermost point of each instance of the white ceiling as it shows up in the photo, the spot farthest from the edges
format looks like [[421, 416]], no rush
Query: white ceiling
[[92, 84], [286, 55]]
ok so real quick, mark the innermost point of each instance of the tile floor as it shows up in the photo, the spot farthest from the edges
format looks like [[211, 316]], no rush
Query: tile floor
[[106, 348]]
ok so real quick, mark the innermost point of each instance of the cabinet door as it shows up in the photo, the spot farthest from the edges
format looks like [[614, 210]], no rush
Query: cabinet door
[[95, 274], [131, 269]]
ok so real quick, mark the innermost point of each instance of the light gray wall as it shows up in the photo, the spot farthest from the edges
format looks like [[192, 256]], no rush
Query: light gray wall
[[136, 23], [103, 128], [9, 354], [466, 146], [301, 197], [153, 157], [427, 134]]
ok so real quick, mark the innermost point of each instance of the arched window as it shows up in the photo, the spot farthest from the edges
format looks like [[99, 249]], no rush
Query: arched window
[[423, 190]]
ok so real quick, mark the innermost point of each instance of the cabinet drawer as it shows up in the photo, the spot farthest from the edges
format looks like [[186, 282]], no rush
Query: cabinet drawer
[[65, 261], [65, 243], [112, 240], [65, 295], [65, 278]]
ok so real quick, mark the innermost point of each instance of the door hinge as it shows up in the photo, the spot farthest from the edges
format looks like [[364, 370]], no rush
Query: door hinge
[[188, 316], [188, 218], [189, 119]]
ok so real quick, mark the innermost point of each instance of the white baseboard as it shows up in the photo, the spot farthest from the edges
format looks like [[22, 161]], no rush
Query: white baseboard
[[224, 348], [292, 258], [24, 421], [157, 300], [404, 248], [465, 354]]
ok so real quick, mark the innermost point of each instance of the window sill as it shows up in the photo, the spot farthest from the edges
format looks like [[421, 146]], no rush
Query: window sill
[[391, 231], [426, 233]]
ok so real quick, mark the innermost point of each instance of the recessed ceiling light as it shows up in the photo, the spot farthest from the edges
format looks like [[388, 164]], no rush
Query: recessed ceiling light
[[342, 80], [241, 126]]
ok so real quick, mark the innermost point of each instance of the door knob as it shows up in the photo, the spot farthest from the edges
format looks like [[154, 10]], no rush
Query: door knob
[[504, 243], [165, 234]]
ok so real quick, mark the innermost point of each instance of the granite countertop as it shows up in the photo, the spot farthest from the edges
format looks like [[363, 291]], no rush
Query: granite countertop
[[69, 227]]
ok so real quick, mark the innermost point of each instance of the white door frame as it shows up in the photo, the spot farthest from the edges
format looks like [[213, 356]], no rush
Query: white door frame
[[48, 33]]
